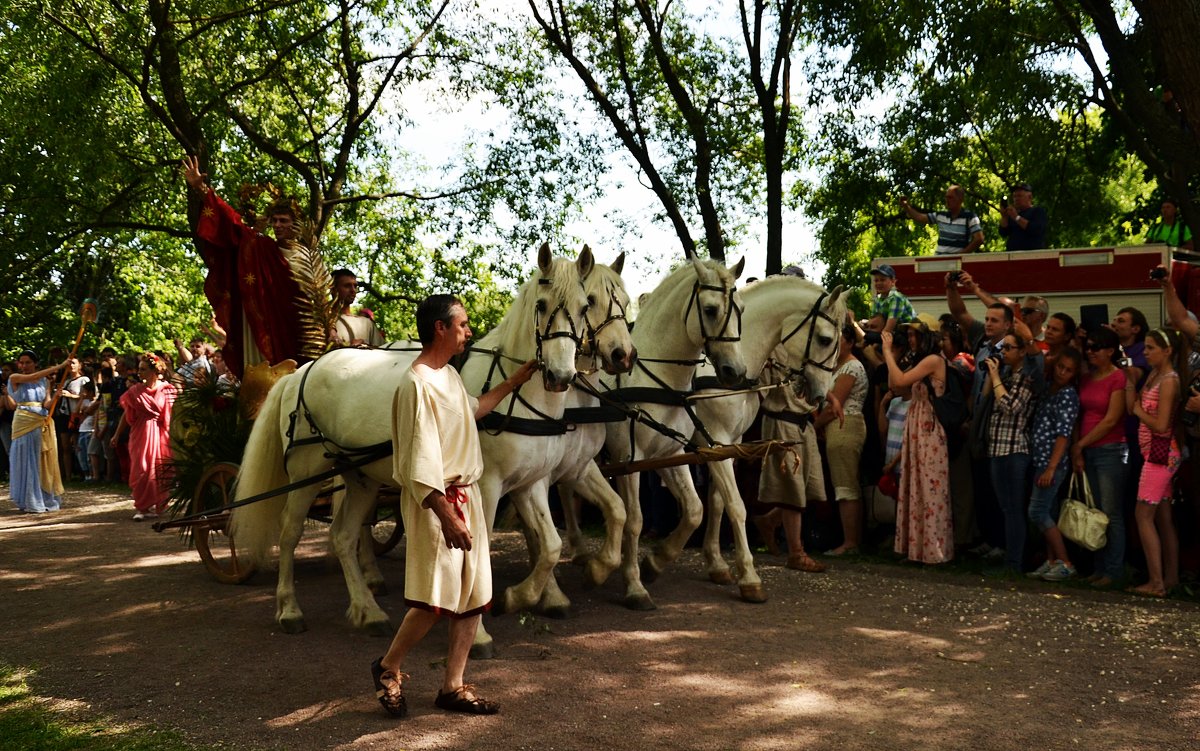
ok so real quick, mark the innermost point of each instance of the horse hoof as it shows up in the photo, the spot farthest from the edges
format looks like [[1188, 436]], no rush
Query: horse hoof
[[293, 625], [640, 602], [558, 612], [380, 628], [753, 593], [720, 577], [649, 573], [483, 651], [379, 589]]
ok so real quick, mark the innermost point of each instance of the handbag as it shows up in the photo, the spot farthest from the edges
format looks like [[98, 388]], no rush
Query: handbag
[[1160, 449], [1080, 521]]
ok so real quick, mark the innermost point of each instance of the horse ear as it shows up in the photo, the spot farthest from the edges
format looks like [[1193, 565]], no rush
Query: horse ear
[[618, 264], [738, 268], [698, 265], [586, 262], [834, 295], [544, 258]]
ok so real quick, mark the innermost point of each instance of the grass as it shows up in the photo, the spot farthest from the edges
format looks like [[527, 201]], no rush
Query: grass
[[31, 723]]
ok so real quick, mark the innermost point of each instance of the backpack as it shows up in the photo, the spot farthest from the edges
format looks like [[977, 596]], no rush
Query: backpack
[[951, 406]]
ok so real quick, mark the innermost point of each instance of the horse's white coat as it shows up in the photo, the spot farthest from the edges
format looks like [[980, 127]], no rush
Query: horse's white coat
[[349, 394]]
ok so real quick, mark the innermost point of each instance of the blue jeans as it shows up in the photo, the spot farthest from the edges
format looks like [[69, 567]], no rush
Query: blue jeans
[[1043, 502], [1106, 467], [1009, 478]]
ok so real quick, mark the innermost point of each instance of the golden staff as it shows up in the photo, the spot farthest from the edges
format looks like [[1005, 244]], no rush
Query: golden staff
[[87, 314]]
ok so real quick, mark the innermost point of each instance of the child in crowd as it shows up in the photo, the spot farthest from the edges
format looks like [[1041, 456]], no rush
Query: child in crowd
[[1050, 439], [87, 424]]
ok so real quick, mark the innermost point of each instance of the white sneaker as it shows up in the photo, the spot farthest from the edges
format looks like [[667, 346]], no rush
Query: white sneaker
[[1038, 572], [139, 516], [1059, 572]]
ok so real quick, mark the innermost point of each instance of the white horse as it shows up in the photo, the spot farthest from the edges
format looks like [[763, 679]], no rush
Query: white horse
[[792, 327], [339, 401], [696, 310], [570, 457]]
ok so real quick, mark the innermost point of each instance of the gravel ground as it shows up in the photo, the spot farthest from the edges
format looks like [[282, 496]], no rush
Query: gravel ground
[[118, 620]]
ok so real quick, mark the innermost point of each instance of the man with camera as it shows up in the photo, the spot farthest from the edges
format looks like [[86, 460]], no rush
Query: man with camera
[[958, 229], [1021, 223]]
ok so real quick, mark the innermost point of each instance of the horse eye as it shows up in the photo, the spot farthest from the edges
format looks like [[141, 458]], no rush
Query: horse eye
[[591, 300], [825, 341], [541, 306], [710, 310]]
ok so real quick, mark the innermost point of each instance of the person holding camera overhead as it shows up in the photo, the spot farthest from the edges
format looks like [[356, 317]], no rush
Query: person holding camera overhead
[[958, 229], [1022, 224]]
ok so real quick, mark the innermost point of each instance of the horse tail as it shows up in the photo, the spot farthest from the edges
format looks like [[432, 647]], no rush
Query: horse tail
[[256, 527]]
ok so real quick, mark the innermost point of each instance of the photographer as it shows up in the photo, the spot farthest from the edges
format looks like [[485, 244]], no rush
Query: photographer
[[1021, 223]]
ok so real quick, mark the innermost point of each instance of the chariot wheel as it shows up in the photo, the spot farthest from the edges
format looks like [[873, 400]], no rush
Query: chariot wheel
[[213, 541], [388, 527]]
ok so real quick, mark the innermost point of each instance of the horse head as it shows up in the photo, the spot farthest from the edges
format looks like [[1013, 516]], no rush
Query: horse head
[[714, 318], [559, 313], [810, 339], [608, 329]]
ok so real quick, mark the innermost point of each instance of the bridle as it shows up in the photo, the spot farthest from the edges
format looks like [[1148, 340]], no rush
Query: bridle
[[730, 310], [816, 312], [587, 349], [542, 334]]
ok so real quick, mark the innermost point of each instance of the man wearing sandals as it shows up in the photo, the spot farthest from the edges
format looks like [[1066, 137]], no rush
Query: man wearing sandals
[[437, 464]]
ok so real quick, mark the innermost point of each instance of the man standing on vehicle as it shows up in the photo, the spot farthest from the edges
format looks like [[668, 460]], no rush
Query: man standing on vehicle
[[958, 229], [1021, 222], [352, 329], [437, 464], [891, 307]]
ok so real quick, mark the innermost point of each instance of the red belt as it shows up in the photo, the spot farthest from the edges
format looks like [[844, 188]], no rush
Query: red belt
[[457, 495]]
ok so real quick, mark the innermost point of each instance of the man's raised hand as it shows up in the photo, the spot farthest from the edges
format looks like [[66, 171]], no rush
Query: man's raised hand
[[195, 179]]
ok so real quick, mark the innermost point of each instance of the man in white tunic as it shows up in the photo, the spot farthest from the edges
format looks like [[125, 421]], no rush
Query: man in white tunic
[[352, 329], [437, 463]]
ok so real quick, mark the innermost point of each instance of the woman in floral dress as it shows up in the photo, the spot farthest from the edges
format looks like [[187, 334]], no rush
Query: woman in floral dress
[[924, 529]]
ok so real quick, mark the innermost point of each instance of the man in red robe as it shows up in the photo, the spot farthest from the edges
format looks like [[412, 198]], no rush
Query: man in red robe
[[249, 283]]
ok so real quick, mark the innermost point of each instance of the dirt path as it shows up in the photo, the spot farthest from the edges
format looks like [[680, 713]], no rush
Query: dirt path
[[121, 621]]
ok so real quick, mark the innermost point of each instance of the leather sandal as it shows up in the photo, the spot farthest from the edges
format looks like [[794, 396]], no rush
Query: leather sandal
[[457, 701], [389, 689], [803, 562]]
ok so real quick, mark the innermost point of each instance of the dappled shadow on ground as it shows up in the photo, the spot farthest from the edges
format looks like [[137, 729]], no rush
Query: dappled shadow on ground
[[126, 622]]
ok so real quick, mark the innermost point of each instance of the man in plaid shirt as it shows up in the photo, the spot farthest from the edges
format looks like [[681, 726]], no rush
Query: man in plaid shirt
[[891, 308]]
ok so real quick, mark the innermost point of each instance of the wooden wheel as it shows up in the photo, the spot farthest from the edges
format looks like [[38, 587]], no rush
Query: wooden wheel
[[213, 541], [388, 527]]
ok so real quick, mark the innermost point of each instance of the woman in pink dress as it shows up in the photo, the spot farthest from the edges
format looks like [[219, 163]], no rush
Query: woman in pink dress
[[147, 417], [1155, 408], [924, 530]]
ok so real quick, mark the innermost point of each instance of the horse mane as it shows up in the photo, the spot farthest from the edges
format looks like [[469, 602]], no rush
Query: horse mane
[[601, 278], [512, 334], [782, 284], [662, 302]]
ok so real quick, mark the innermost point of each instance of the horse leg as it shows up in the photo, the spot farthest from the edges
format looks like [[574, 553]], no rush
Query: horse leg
[[287, 609], [718, 569], [724, 483], [483, 647], [691, 512], [545, 547], [345, 534], [636, 596], [596, 489], [570, 509]]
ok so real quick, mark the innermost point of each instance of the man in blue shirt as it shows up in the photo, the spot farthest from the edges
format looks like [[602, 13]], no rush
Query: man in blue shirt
[[1022, 223]]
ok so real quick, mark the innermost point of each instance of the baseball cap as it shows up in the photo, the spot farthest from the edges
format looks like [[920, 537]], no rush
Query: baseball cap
[[1023, 186], [884, 269]]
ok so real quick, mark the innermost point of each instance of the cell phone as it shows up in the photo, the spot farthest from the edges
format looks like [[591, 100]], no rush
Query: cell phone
[[1125, 362]]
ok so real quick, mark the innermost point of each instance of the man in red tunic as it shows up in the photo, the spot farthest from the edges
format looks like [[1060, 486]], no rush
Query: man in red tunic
[[249, 283]]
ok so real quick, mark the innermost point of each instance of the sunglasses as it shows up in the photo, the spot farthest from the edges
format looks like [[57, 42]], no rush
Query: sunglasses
[[1028, 311], [1093, 347]]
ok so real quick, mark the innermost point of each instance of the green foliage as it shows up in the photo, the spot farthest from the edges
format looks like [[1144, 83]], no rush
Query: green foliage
[[938, 97]]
